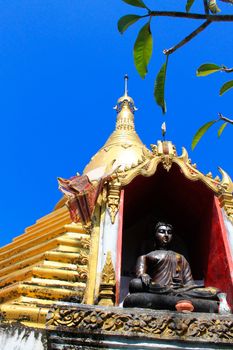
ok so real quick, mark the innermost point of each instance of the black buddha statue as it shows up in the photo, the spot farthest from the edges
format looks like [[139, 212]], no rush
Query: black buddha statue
[[164, 278]]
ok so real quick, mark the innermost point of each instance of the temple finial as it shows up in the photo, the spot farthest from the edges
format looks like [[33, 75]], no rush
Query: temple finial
[[164, 130], [126, 78], [125, 99]]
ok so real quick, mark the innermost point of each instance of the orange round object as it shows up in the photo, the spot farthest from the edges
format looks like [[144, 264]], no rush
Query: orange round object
[[184, 306]]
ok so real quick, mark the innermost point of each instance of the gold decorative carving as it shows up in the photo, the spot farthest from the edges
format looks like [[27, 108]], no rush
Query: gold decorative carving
[[113, 199], [84, 242], [88, 227], [104, 194], [154, 149], [152, 324], [89, 296], [108, 283], [166, 151], [82, 258], [82, 272], [126, 145], [167, 162], [226, 202], [226, 182], [108, 273]]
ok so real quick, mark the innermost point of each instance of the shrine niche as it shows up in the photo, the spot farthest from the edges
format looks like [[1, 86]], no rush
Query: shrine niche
[[193, 210]]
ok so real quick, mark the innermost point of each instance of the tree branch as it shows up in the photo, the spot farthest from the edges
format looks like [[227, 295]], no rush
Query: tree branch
[[211, 18], [187, 38], [227, 70], [221, 117], [206, 7]]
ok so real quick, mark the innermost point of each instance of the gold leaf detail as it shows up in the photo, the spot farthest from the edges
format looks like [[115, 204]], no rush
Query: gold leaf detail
[[108, 282], [81, 259], [154, 149], [108, 273], [167, 162], [113, 200], [82, 272], [84, 242], [126, 145], [215, 329]]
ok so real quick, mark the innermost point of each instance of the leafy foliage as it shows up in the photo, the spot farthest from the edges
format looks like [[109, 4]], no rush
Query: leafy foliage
[[144, 45], [137, 3], [189, 4], [212, 4], [220, 130], [207, 68], [227, 86], [143, 49], [201, 132], [126, 21], [159, 89]]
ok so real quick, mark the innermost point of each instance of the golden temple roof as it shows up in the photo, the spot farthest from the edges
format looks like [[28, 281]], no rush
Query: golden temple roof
[[45, 264], [123, 149]]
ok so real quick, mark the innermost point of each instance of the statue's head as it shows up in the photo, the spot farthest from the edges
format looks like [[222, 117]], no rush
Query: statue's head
[[163, 234]]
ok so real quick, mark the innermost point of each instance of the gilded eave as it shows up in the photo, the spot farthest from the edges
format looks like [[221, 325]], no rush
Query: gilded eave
[[165, 153]]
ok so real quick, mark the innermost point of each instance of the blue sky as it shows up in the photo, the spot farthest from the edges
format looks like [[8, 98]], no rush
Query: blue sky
[[61, 71]]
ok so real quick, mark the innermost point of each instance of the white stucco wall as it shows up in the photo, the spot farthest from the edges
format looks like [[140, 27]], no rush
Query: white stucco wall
[[15, 337]]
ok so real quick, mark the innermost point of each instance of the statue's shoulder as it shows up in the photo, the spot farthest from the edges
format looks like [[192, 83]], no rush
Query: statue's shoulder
[[152, 254]]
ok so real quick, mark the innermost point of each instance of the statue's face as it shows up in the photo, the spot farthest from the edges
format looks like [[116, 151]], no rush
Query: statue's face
[[163, 235]]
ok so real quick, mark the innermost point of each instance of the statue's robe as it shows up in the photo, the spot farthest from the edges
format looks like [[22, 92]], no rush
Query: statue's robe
[[166, 268], [170, 273]]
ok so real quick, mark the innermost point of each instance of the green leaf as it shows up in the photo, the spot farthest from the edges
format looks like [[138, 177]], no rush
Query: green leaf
[[212, 4], [137, 3], [189, 4], [207, 68], [143, 50], [227, 86], [201, 132], [220, 130], [126, 21], [159, 89]]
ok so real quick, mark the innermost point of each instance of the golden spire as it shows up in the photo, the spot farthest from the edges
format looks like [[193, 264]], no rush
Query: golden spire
[[126, 97], [123, 149], [125, 108]]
